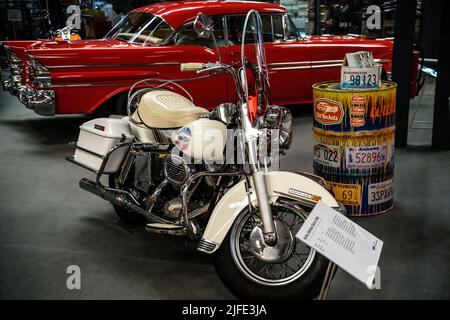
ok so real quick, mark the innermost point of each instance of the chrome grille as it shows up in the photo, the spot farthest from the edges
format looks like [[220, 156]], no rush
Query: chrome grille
[[206, 246], [176, 169]]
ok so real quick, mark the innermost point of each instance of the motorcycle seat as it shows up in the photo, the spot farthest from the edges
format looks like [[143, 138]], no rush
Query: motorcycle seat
[[163, 109]]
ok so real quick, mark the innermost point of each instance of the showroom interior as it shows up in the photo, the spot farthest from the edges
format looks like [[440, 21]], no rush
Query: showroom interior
[[51, 229]]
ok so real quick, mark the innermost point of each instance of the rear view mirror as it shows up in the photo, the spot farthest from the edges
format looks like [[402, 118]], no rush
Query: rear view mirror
[[204, 26]]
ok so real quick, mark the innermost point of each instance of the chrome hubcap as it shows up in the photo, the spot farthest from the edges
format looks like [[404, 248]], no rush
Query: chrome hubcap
[[272, 254], [267, 265]]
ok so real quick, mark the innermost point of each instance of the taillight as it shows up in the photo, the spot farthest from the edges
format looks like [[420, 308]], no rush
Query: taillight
[[39, 73]]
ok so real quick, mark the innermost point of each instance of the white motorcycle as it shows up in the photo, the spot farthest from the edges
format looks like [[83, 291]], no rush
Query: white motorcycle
[[163, 174]]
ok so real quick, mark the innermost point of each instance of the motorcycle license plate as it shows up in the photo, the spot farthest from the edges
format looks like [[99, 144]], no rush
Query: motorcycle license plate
[[365, 157], [347, 194]]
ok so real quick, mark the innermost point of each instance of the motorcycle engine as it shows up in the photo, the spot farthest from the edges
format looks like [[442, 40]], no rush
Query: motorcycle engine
[[176, 169]]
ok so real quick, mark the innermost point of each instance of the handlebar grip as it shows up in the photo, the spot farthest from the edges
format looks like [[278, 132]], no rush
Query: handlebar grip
[[191, 66]]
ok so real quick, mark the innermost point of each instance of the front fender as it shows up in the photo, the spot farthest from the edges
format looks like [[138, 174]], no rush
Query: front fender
[[279, 184]]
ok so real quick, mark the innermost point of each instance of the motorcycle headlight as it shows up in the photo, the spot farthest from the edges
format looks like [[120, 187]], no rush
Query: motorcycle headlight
[[280, 118]]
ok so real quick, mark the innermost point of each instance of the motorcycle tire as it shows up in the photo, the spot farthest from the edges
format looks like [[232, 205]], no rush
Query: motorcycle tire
[[126, 215], [306, 287]]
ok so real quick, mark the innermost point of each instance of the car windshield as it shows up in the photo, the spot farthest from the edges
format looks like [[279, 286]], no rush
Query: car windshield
[[140, 27]]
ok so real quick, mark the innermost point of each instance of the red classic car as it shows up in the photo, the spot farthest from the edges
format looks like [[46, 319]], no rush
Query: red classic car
[[60, 77]]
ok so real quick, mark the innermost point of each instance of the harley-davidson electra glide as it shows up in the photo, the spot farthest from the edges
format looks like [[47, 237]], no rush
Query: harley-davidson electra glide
[[162, 173]]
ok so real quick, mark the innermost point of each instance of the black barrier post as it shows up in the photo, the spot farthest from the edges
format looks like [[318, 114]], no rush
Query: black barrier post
[[405, 18], [317, 18], [441, 121]]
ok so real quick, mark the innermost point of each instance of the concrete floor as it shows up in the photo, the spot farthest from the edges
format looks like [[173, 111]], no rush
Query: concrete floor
[[47, 223]]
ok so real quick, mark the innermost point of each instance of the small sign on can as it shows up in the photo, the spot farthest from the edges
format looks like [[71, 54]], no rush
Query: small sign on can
[[380, 192], [365, 157], [347, 194]]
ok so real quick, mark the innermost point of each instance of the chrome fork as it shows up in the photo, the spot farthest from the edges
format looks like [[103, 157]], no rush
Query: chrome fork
[[259, 181]]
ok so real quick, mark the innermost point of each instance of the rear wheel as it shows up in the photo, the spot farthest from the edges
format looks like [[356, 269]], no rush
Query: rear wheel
[[125, 214], [252, 270]]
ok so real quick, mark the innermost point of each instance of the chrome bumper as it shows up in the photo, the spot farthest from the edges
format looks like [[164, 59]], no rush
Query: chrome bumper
[[12, 84], [41, 101]]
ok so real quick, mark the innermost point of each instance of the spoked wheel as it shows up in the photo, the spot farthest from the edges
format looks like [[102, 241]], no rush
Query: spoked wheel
[[252, 269]]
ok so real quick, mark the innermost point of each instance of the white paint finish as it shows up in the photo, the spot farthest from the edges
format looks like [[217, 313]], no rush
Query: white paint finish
[[236, 199]]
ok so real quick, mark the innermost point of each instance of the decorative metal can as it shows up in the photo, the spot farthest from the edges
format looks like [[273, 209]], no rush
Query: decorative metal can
[[353, 137]]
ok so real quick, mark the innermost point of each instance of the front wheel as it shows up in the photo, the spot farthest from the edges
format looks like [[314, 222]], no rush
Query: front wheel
[[252, 270]]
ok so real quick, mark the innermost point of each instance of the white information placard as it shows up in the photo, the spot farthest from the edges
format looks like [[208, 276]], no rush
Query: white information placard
[[342, 241]]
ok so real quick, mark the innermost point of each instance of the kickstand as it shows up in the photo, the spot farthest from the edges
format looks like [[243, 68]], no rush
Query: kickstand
[[331, 271]]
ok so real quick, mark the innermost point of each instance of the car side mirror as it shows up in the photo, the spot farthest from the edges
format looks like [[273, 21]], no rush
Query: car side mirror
[[204, 26]]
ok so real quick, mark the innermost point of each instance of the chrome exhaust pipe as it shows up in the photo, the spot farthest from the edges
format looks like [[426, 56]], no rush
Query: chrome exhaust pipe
[[118, 199]]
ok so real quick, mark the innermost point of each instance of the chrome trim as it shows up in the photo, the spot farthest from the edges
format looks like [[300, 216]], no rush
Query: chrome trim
[[43, 81], [290, 68], [13, 84], [172, 162], [16, 69], [435, 61], [307, 67], [327, 62], [207, 246], [151, 200], [185, 192], [310, 203], [13, 58], [288, 63], [114, 65], [327, 66], [117, 197], [298, 65], [6, 85], [41, 101], [37, 67], [382, 60], [303, 201], [84, 85]]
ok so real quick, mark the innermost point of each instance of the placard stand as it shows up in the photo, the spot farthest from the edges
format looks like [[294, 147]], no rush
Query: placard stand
[[329, 275]]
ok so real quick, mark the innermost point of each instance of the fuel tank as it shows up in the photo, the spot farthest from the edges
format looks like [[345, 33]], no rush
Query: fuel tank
[[202, 140]]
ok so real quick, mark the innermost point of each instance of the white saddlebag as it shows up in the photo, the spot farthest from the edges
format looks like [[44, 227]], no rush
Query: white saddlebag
[[97, 137]]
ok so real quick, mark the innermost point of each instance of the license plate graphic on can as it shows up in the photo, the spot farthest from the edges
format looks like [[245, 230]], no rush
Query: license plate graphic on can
[[347, 194], [365, 157], [381, 192], [327, 155]]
